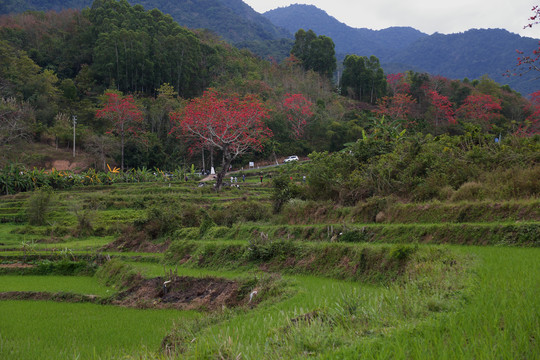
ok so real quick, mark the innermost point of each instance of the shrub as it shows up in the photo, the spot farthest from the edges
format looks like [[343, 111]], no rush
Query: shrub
[[160, 221], [38, 206], [469, 191], [240, 211], [206, 223], [118, 274], [402, 253], [283, 190], [366, 211], [178, 250], [190, 216], [356, 235], [85, 221]]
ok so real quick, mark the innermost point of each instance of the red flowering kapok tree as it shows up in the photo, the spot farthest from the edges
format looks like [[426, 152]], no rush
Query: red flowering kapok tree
[[528, 62], [397, 84], [298, 111], [480, 108], [125, 116], [398, 107], [531, 126], [442, 108], [228, 122]]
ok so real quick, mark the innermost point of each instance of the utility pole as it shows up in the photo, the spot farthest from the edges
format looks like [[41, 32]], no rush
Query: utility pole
[[74, 123]]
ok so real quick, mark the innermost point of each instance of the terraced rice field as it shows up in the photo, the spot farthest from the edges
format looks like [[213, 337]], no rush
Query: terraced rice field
[[436, 280]]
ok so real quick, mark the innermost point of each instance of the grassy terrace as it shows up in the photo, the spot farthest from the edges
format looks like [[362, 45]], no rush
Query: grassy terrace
[[331, 282]]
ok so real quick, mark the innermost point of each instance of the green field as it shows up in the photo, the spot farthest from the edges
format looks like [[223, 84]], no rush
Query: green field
[[329, 287], [47, 330]]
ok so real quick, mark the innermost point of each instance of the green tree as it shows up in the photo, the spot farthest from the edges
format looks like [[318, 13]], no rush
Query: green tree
[[363, 79], [317, 53]]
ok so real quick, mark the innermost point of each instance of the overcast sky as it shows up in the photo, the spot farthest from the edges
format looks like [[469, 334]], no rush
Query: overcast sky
[[428, 16]]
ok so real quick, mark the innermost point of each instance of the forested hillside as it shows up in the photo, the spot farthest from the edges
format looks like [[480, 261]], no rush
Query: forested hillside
[[465, 55], [348, 40], [114, 58], [233, 20]]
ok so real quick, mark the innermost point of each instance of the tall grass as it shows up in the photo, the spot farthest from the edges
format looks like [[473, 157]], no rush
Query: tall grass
[[500, 321], [491, 314]]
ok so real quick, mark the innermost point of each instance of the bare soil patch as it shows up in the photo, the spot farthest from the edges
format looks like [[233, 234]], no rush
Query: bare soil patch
[[182, 292]]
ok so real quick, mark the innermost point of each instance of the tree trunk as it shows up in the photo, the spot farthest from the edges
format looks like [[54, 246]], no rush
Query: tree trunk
[[122, 145], [117, 66], [227, 159], [203, 164]]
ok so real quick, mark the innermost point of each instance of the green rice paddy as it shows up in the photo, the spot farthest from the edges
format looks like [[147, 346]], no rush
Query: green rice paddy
[[446, 302]]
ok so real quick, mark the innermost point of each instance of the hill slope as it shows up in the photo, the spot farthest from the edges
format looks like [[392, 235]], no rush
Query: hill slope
[[348, 40], [470, 54], [234, 20]]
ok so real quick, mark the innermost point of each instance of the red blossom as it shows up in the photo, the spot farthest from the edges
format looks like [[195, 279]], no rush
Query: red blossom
[[482, 107], [531, 126], [397, 107], [228, 122], [298, 111], [398, 83], [125, 116], [123, 112], [528, 62], [443, 107]]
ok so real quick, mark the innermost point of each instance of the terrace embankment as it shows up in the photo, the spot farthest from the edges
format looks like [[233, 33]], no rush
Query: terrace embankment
[[133, 290], [183, 293], [376, 263]]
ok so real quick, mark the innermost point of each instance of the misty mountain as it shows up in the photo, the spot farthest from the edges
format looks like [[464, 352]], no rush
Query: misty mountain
[[470, 54], [233, 20], [348, 40]]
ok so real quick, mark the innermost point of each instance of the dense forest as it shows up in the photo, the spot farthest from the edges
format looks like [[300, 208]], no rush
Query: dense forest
[[233, 20], [470, 54], [56, 65]]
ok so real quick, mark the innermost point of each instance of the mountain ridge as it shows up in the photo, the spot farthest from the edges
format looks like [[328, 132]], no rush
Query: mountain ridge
[[469, 54]]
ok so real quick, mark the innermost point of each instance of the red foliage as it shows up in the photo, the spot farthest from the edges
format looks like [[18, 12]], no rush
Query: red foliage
[[38, 25], [526, 63], [228, 122], [123, 112], [397, 84], [481, 107], [298, 110], [397, 107], [531, 126], [443, 107]]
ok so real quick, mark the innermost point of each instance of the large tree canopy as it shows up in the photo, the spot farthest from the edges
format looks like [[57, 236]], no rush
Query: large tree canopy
[[363, 79], [317, 53], [124, 115], [228, 122]]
